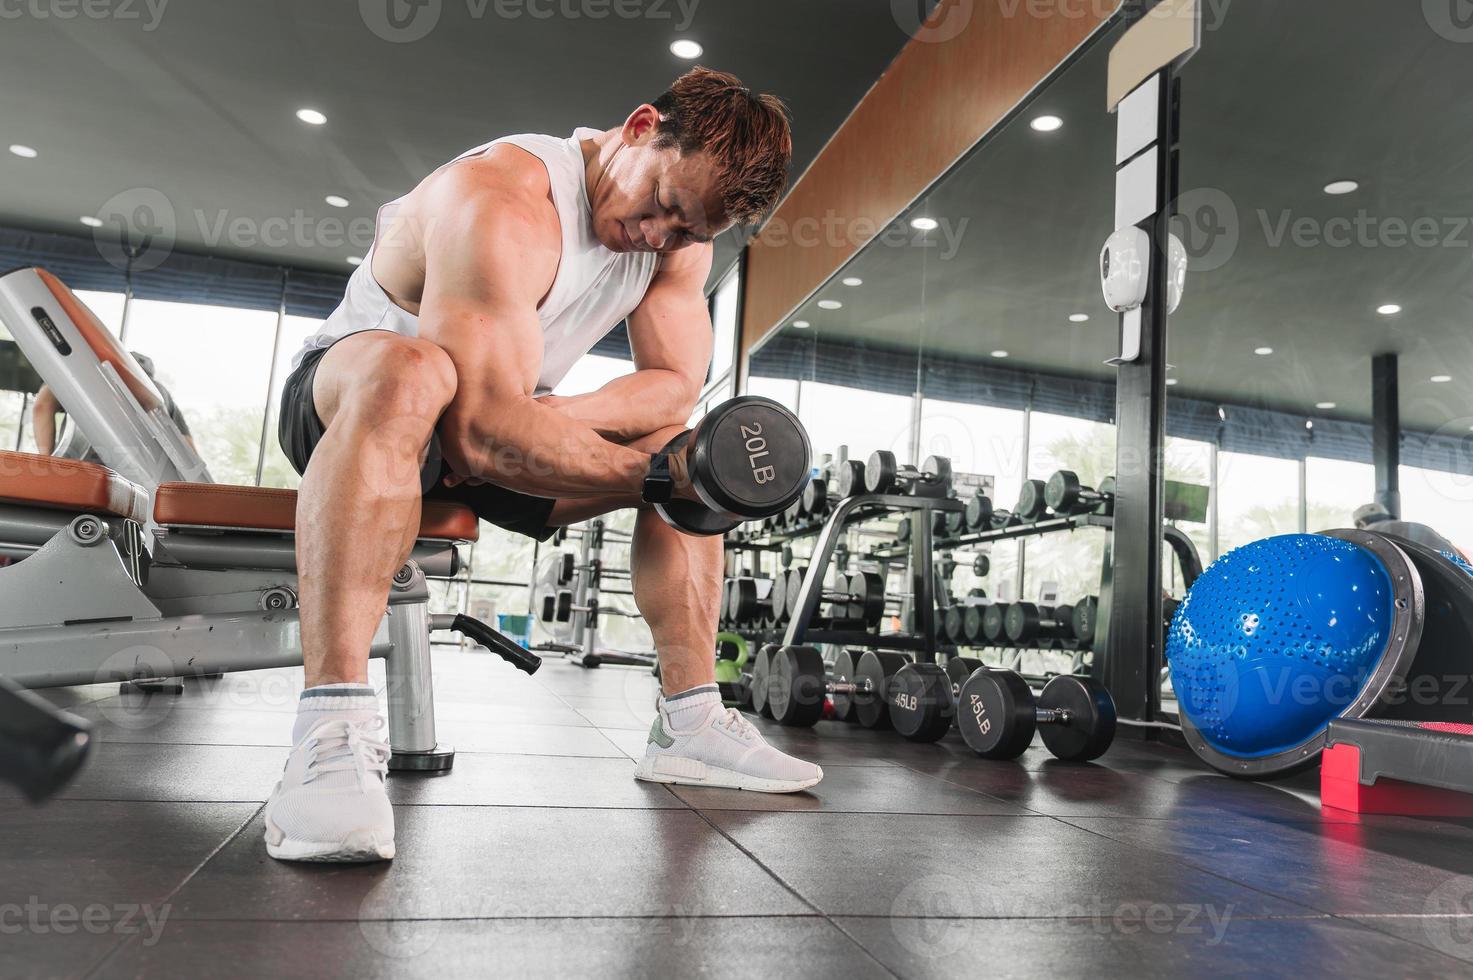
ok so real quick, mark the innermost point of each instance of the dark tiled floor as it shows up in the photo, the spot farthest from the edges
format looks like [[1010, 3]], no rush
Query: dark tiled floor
[[539, 855]]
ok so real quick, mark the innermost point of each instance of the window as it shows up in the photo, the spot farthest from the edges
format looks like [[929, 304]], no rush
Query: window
[[862, 420], [108, 307], [1334, 489], [276, 471], [1441, 501], [977, 439], [592, 373], [1068, 563], [1257, 497], [1188, 461], [214, 361], [724, 303], [784, 391]]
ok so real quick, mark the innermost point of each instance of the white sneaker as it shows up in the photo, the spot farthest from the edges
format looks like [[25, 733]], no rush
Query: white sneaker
[[723, 750], [331, 804]]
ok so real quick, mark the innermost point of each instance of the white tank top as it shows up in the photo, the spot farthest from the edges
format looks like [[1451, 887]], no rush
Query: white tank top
[[594, 291]]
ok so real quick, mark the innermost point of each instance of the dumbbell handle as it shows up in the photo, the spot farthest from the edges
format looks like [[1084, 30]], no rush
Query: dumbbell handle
[[1053, 716], [849, 687]]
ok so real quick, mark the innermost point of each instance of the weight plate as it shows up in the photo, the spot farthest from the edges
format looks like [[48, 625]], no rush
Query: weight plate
[[996, 714], [1021, 624], [938, 468], [1091, 725], [761, 683], [953, 621], [744, 600], [1031, 503], [958, 669], [920, 702], [749, 456], [1062, 491], [981, 566], [797, 692], [1086, 617], [869, 590], [780, 597], [795, 589], [1063, 618], [994, 621], [844, 673], [875, 668], [972, 624], [851, 478], [979, 514], [880, 472]]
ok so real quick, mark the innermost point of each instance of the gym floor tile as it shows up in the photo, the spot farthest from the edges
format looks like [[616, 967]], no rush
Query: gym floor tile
[[1145, 940], [545, 781], [510, 738], [1380, 864], [1069, 789], [1450, 934], [500, 862], [83, 852], [1036, 866], [541, 712], [534, 948], [858, 789], [187, 773], [31, 947], [167, 719]]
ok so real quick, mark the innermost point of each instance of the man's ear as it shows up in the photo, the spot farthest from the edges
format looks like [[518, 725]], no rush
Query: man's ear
[[641, 126]]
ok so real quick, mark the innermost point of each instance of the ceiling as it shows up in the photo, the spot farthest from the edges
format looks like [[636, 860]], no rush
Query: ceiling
[[1283, 99], [200, 105]]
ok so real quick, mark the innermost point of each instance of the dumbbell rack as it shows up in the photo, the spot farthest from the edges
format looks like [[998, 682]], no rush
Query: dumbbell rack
[[920, 637], [586, 591]]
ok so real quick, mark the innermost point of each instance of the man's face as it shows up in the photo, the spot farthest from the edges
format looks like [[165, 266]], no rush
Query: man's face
[[653, 200]]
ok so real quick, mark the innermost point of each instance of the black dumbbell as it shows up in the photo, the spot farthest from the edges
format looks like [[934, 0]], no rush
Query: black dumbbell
[[958, 669], [882, 474], [994, 623], [972, 621], [1086, 618], [1027, 621], [952, 621], [1064, 494], [955, 523], [748, 457], [789, 685], [981, 566], [815, 499], [849, 478], [998, 716], [920, 702], [565, 568], [750, 600], [978, 514], [1031, 503]]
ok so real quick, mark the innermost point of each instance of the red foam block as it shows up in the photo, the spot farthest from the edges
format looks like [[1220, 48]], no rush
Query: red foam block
[[1341, 788]]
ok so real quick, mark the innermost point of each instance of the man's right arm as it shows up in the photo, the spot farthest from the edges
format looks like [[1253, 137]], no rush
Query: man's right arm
[[492, 250]]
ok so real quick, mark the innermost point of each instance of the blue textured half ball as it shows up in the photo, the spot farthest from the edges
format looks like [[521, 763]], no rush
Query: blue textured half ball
[[1276, 639]]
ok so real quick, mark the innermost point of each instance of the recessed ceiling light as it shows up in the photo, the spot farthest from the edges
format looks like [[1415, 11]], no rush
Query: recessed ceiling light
[[1339, 187], [355, 260], [802, 324], [1079, 318], [830, 304], [21, 150], [925, 224], [1000, 354], [336, 201], [1172, 382], [1441, 379], [1326, 406], [91, 222], [312, 117], [1263, 351], [1390, 309], [687, 49], [854, 281], [1047, 124], [1309, 424]]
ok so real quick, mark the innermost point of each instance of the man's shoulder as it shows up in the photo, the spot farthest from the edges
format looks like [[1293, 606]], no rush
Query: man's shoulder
[[504, 173]]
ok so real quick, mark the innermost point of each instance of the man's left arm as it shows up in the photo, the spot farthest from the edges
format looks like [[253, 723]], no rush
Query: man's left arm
[[670, 336]]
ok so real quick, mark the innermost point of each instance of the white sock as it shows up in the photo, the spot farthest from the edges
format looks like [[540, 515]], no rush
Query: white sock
[[686, 710], [354, 702]]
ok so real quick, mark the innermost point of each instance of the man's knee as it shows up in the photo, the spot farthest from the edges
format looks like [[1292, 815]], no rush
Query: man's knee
[[398, 379]]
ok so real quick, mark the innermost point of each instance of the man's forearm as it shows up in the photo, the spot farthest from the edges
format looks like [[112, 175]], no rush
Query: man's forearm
[[634, 405], [535, 449]]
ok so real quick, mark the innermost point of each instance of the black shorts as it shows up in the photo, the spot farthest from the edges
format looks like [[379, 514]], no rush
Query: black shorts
[[300, 430]]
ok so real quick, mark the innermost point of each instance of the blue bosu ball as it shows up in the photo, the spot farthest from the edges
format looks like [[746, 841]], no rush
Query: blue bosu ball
[[1275, 640]]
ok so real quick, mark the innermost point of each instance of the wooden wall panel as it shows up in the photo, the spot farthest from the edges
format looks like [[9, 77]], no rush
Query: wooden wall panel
[[951, 84]]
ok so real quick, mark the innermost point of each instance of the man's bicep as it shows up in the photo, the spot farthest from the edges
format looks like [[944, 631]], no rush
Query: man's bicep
[[671, 329]]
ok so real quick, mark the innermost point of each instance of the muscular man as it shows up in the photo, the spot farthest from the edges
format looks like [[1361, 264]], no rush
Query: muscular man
[[484, 285]]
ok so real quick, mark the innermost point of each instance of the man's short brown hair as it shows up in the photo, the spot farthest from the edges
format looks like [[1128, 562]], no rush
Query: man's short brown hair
[[746, 134]]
